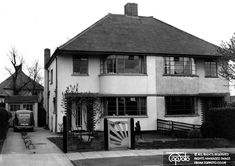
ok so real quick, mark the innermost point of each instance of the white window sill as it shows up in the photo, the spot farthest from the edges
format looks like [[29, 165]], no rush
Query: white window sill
[[79, 74], [128, 116], [183, 115], [123, 74], [181, 75]]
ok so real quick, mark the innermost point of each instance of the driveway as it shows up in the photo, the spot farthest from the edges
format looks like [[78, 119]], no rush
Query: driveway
[[43, 153]]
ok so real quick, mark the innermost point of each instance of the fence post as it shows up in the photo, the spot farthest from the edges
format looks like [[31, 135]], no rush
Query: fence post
[[106, 136], [172, 127], [65, 134], [132, 133]]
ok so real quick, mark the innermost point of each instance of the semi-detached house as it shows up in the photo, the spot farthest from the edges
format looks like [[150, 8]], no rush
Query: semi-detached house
[[141, 67]]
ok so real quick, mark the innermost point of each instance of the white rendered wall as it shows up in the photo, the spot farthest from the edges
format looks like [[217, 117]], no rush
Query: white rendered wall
[[52, 89], [86, 83]]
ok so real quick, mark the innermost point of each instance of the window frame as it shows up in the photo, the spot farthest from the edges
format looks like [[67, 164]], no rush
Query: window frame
[[170, 66], [210, 75], [116, 60], [79, 67], [172, 107], [125, 110]]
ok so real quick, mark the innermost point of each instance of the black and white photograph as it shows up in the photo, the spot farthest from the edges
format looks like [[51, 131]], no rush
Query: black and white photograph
[[117, 83]]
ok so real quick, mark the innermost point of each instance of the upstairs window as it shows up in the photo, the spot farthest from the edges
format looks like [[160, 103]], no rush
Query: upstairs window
[[179, 105], [123, 64], [80, 65], [211, 68], [179, 66]]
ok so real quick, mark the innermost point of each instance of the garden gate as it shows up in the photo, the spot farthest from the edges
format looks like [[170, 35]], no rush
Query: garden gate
[[119, 134]]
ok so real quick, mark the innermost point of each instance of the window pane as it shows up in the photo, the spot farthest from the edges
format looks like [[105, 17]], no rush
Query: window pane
[[142, 106], [167, 65], [179, 65], [111, 106], [132, 64], [111, 64], [187, 65], [121, 64], [213, 69], [131, 106], [121, 106], [84, 66], [76, 64]]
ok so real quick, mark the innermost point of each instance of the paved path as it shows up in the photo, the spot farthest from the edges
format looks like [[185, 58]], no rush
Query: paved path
[[45, 153], [152, 152]]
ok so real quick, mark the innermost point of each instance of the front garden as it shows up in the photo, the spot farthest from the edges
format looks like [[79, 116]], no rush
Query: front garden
[[149, 140]]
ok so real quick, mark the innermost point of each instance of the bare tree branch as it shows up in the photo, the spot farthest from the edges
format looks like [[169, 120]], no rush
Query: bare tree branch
[[227, 60]]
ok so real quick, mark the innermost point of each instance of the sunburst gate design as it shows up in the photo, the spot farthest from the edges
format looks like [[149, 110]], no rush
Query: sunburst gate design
[[118, 134]]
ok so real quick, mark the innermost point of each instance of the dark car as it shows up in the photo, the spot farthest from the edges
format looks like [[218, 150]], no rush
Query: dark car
[[23, 120]]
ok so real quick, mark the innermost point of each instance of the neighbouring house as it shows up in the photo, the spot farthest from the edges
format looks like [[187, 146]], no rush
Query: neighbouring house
[[30, 96], [140, 67]]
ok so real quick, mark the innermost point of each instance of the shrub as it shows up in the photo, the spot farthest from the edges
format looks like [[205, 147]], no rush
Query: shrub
[[208, 130], [223, 121], [195, 133]]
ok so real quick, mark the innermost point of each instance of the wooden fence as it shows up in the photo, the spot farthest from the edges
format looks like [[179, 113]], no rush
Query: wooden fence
[[175, 128]]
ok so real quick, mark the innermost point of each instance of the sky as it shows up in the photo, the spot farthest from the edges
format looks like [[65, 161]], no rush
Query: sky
[[30, 26]]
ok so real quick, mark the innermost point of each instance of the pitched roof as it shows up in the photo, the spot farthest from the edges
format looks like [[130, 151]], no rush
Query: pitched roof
[[137, 34], [21, 80]]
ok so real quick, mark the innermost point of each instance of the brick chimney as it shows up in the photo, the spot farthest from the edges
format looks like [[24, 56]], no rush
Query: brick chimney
[[131, 9], [47, 54]]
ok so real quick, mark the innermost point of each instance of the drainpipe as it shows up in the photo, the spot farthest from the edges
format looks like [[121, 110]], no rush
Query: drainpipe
[[56, 96]]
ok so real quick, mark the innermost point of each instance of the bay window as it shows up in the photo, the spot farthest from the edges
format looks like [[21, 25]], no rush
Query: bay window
[[125, 106]]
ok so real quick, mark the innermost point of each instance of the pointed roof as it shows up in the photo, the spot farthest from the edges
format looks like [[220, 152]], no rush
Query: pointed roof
[[22, 79], [137, 34]]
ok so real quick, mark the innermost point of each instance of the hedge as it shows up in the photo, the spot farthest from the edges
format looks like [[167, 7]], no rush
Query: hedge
[[223, 120]]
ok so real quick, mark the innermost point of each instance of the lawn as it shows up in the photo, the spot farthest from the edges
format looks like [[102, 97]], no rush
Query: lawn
[[148, 141]]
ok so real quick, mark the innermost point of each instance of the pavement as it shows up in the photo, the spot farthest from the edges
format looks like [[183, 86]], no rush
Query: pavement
[[45, 153]]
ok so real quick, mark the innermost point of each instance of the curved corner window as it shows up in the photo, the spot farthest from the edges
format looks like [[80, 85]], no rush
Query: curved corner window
[[180, 66], [125, 106], [123, 64]]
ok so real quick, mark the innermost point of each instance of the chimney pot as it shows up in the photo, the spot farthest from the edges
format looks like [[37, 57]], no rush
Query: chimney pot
[[131, 9], [47, 54]]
